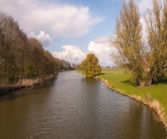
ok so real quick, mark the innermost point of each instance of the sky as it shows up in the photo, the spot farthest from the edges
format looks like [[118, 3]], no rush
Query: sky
[[70, 29]]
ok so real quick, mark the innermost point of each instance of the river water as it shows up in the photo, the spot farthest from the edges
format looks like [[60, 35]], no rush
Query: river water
[[71, 107]]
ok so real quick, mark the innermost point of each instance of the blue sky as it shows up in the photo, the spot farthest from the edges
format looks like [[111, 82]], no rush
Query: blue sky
[[107, 9], [70, 29]]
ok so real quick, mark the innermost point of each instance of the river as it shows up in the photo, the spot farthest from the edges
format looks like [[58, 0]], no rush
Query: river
[[71, 107]]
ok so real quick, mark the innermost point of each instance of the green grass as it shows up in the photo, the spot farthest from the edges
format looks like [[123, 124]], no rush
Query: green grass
[[120, 82]]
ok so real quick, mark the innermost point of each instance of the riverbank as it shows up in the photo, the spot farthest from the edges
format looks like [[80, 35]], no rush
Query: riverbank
[[24, 83], [154, 96]]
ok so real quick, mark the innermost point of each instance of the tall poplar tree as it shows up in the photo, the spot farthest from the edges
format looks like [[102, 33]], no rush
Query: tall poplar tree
[[128, 40], [157, 39]]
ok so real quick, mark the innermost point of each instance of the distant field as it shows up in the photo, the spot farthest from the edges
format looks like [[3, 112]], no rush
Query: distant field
[[120, 82]]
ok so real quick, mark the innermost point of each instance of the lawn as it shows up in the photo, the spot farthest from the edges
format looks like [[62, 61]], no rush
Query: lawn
[[120, 82]]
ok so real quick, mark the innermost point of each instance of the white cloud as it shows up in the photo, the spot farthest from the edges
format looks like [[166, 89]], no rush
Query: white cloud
[[101, 48], [43, 37], [144, 5], [58, 20], [71, 53]]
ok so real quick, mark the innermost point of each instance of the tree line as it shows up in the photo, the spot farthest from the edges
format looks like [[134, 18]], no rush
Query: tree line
[[22, 57], [145, 58]]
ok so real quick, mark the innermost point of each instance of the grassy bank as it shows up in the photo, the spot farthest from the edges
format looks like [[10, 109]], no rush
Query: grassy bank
[[155, 96]]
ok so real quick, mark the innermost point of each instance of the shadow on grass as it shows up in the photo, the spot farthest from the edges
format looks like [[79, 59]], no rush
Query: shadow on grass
[[100, 74], [128, 82], [163, 81], [160, 82]]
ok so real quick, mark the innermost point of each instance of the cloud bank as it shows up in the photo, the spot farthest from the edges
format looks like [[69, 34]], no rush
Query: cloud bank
[[101, 48], [54, 19], [71, 53]]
